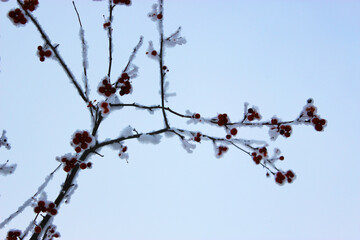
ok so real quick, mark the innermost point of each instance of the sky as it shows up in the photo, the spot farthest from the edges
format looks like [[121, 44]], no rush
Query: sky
[[273, 54]]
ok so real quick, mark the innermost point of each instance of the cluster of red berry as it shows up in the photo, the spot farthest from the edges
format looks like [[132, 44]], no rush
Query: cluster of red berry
[[221, 150], [81, 141], [13, 234], [156, 16], [252, 115], [42, 206], [233, 132], [43, 53], [153, 53], [125, 2], [310, 110], [68, 163], [125, 87], [17, 16], [222, 119], [106, 89], [85, 165], [197, 137], [165, 68], [319, 123], [259, 155], [122, 153], [285, 130], [51, 233], [123, 149], [105, 107], [31, 5], [280, 177]]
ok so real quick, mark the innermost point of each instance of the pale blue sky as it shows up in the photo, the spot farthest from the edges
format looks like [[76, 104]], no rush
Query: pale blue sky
[[273, 54]]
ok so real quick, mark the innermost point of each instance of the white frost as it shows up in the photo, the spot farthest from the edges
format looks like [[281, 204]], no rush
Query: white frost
[[4, 141], [189, 147], [126, 132], [6, 170], [146, 138], [175, 39]]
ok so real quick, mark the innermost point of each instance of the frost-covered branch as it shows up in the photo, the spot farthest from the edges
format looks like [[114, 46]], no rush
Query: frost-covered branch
[[54, 50], [84, 48]]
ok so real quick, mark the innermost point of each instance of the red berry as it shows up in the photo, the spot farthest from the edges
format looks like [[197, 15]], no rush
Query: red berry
[[233, 131], [47, 53], [154, 53], [280, 175], [318, 127], [67, 168], [228, 136], [84, 146], [125, 76], [104, 104], [315, 120], [37, 210], [37, 229], [290, 174], [279, 180], [281, 158], [53, 211], [83, 165], [11, 14], [41, 204]]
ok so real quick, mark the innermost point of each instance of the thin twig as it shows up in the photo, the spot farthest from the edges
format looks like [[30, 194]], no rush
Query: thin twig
[[84, 52], [162, 75], [111, 7]]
